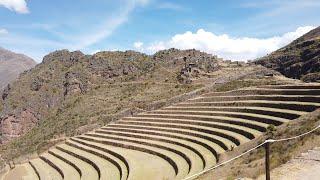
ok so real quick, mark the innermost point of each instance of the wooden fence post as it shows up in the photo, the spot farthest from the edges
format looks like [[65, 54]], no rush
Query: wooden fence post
[[267, 148]]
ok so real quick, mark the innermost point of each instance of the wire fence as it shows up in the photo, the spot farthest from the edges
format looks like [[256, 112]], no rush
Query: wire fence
[[248, 151]]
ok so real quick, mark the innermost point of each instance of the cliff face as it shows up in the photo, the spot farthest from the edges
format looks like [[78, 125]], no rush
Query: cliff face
[[11, 65], [300, 59]]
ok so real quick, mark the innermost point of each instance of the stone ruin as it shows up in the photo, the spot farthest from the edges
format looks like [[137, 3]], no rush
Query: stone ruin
[[193, 70]]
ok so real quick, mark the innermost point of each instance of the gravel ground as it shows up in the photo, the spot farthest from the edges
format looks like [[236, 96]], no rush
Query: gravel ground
[[304, 167]]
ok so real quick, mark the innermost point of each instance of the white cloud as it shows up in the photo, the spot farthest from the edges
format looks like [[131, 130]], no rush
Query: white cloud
[[95, 51], [3, 31], [138, 44], [19, 6], [290, 36], [235, 48]]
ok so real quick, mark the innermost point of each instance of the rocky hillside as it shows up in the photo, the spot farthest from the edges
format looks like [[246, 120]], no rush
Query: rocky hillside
[[69, 90], [300, 59], [11, 65], [70, 93]]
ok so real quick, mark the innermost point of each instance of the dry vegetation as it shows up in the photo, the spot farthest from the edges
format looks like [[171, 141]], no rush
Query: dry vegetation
[[71, 94], [252, 164], [299, 59], [153, 139]]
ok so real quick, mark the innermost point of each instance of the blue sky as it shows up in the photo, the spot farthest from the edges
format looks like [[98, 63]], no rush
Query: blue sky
[[232, 29]]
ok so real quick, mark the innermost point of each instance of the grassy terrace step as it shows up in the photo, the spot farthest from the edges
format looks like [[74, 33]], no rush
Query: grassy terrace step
[[93, 170], [234, 137], [111, 167], [290, 105], [266, 91], [198, 150], [58, 155], [254, 119], [191, 155], [237, 134], [173, 161], [137, 161], [178, 137], [214, 136], [161, 148], [286, 114], [247, 129], [84, 161], [34, 170], [300, 98], [93, 166], [24, 170], [206, 117], [207, 153], [45, 170], [67, 171], [178, 163], [293, 86], [83, 168], [214, 140], [31, 174]]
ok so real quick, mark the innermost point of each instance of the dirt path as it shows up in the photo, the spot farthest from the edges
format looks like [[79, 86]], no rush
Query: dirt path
[[304, 167]]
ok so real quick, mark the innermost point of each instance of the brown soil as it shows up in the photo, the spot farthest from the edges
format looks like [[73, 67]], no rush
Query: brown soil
[[17, 173]]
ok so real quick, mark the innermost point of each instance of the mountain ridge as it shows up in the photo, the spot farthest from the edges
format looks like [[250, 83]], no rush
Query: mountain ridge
[[11, 65], [299, 59]]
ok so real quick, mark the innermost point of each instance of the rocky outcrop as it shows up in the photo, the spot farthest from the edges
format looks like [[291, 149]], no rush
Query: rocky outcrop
[[12, 126], [64, 56], [176, 57], [311, 77], [118, 64], [36, 83], [6, 92], [192, 63], [189, 72], [73, 84], [299, 60]]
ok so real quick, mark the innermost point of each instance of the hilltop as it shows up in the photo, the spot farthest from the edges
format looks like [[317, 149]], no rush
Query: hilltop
[[11, 65], [299, 59]]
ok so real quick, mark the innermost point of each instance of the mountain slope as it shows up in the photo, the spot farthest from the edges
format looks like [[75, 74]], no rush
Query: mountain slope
[[11, 65], [181, 140], [75, 89], [71, 93], [300, 59]]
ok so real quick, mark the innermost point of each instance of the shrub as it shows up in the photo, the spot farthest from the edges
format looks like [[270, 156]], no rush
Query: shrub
[[271, 130]]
